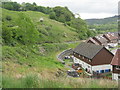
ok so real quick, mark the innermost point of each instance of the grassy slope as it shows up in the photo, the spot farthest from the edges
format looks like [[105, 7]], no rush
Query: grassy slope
[[51, 29], [48, 30], [34, 57]]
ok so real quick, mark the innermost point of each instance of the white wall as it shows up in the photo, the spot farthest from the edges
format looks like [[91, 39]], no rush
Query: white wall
[[83, 64], [91, 68], [113, 44], [115, 76], [101, 67], [75, 60]]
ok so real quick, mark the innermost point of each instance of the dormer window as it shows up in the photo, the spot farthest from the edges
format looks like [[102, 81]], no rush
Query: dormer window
[[89, 60], [83, 57]]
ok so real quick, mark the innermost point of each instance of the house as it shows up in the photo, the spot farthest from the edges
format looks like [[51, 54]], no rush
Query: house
[[118, 35], [93, 58], [116, 66], [91, 40], [101, 40], [111, 37]]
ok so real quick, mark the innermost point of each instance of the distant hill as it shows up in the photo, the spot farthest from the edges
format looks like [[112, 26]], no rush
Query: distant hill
[[102, 21], [103, 25]]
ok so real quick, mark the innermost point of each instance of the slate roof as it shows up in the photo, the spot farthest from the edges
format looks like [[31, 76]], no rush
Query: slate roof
[[116, 58], [101, 39], [87, 49]]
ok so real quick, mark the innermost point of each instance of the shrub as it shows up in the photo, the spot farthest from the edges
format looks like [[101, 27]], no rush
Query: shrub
[[8, 18]]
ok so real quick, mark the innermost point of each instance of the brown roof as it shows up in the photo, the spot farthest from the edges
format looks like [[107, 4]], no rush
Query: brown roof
[[116, 58], [101, 39], [93, 41], [111, 36]]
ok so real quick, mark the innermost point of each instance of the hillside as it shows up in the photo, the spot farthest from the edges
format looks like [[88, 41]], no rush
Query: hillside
[[25, 27], [30, 45], [58, 24], [102, 21], [103, 25]]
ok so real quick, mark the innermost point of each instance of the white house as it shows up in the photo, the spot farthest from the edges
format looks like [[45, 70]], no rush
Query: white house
[[93, 58]]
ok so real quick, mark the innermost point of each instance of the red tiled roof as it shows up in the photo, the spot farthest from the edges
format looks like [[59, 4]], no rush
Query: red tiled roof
[[111, 36], [116, 58], [92, 40], [100, 39]]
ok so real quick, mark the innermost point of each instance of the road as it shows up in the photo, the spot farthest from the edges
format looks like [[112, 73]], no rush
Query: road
[[61, 56]]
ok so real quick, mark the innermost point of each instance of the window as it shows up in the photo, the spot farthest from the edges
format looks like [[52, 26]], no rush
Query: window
[[89, 60], [119, 77], [101, 71], [83, 57], [97, 71], [107, 70]]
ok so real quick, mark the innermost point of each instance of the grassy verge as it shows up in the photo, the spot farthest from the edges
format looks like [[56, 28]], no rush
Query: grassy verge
[[37, 81], [18, 61]]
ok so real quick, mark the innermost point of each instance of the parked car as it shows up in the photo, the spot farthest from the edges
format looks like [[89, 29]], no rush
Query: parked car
[[110, 46], [75, 66], [67, 57], [63, 62], [73, 73]]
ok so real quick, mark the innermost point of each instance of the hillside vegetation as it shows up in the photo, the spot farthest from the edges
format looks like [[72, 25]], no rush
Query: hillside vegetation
[[44, 24], [25, 28], [109, 24]]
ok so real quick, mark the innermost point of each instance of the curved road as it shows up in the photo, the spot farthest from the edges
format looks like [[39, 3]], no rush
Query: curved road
[[62, 55]]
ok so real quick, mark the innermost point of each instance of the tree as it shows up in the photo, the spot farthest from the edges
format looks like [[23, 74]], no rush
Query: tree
[[29, 6], [63, 14], [7, 35], [34, 4], [52, 15], [80, 26], [11, 6]]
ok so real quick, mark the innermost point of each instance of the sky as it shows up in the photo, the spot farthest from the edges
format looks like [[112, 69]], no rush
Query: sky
[[87, 9]]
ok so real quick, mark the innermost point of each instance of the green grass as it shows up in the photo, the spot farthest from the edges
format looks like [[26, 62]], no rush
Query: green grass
[[52, 30], [34, 58], [26, 28], [36, 81]]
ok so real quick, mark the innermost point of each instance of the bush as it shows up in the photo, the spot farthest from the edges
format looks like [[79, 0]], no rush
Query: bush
[[52, 15], [8, 18]]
